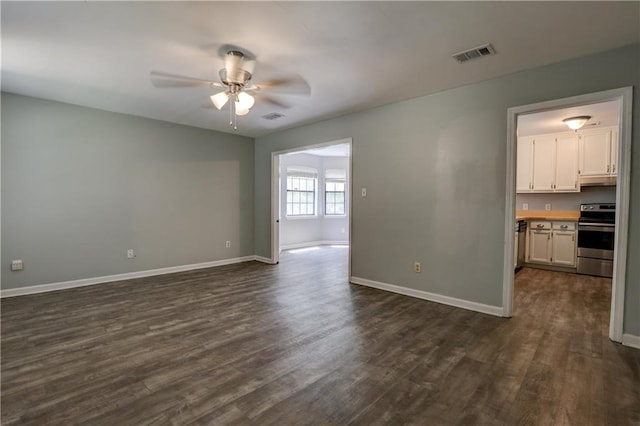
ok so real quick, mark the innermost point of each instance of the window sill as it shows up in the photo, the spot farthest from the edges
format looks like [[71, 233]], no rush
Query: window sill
[[335, 216], [315, 216]]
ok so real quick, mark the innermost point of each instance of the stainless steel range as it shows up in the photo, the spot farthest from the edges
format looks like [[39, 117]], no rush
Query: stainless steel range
[[596, 234]]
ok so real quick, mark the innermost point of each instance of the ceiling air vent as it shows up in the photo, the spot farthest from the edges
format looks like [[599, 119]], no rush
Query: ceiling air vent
[[475, 53], [273, 116]]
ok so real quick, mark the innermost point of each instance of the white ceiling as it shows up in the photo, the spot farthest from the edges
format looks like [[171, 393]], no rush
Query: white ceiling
[[602, 114], [341, 150], [354, 55]]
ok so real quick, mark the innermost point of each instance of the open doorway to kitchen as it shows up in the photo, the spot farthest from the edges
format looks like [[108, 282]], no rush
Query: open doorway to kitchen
[[311, 201], [560, 182]]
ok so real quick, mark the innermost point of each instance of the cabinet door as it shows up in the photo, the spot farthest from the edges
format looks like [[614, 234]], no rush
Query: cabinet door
[[567, 163], [540, 246], [615, 141], [595, 153], [515, 252], [544, 155], [524, 164], [564, 248]]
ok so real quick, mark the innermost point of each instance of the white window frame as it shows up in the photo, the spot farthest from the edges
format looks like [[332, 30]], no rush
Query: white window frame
[[344, 197], [310, 174]]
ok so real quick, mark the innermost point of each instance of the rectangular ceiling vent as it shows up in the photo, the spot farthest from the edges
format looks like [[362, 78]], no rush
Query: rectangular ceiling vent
[[475, 53], [273, 116]]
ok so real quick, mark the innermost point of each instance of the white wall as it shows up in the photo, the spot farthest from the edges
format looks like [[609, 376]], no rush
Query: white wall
[[568, 201], [303, 231]]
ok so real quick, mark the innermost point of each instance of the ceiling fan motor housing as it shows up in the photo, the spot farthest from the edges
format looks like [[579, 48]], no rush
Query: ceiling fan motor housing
[[233, 72]]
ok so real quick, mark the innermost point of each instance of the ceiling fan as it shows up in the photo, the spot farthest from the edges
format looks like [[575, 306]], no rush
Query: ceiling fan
[[234, 85]]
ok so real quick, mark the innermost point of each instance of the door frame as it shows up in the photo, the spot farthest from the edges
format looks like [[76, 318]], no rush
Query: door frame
[[275, 193], [624, 97]]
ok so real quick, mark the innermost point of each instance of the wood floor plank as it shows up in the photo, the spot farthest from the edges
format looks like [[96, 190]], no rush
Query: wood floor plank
[[295, 343]]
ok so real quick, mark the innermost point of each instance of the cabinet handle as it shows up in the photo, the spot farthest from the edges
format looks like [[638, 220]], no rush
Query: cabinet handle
[[573, 238], [540, 225], [608, 167], [564, 226], [613, 168], [551, 186], [575, 185]]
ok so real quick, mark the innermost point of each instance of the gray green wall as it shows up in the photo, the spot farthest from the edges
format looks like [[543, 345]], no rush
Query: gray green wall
[[435, 171], [81, 186]]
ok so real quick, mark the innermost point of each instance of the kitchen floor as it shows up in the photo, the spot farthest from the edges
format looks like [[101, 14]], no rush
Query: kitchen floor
[[295, 343]]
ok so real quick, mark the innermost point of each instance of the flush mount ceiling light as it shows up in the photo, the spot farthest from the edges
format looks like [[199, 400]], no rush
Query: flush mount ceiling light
[[235, 86], [574, 123]]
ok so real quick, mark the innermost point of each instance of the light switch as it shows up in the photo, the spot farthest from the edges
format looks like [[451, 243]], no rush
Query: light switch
[[364, 191]]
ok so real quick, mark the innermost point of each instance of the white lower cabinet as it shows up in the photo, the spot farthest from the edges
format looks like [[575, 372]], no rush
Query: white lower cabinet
[[552, 243], [564, 248], [515, 251], [539, 242]]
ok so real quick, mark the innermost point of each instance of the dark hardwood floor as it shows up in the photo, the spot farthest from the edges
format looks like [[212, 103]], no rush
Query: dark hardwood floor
[[296, 344]]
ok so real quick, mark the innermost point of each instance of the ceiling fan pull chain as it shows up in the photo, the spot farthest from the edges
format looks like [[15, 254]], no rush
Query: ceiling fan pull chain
[[232, 108]]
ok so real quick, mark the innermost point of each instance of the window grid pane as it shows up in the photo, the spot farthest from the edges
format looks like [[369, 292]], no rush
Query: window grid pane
[[334, 199], [301, 196]]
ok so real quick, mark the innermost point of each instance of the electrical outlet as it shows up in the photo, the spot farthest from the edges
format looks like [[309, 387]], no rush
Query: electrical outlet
[[17, 265], [417, 267], [547, 207], [525, 206], [131, 254], [227, 244], [364, 191]]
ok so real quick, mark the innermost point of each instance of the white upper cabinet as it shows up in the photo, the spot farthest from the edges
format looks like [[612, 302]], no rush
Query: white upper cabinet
[[595, 152], [567, 163], [544, 163], [524, 165], [614, 151], [547, 163]]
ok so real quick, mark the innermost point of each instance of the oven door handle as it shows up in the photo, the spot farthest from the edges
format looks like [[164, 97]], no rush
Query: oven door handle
[[596, 228]]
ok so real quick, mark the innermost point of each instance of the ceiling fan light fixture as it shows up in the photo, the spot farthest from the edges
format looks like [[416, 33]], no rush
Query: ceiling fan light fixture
[[240, 110], [574, 123], [245, 101], [220, 99]]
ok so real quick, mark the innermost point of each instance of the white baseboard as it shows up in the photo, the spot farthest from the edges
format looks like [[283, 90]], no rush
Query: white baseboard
[[42, 288], [631, 340], [312, 244], [433, 297], [265, 260]]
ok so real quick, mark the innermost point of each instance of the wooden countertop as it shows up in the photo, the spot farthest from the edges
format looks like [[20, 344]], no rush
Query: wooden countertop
[[547, 215]]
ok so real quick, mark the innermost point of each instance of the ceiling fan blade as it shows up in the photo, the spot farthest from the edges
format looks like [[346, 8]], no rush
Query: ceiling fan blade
[[164, 79], [290, 85], [273, 101]]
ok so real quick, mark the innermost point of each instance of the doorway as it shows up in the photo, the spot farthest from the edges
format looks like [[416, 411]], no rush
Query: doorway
[[311, 197], [623, 99]]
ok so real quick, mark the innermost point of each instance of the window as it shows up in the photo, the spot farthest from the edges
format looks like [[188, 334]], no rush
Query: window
[[334, 192], [301, 195], [334, 198]]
